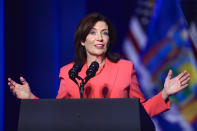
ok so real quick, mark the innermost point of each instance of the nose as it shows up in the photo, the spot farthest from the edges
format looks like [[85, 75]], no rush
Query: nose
[[99, 37]]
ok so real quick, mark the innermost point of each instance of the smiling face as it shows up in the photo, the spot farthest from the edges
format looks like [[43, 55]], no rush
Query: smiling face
[[97, 40]]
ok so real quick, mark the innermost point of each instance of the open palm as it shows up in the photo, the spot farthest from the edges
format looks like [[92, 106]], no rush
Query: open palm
[[174, 85], [22, 91]]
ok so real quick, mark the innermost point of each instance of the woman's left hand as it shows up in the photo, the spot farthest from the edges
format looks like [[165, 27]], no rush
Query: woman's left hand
[[174, 85]]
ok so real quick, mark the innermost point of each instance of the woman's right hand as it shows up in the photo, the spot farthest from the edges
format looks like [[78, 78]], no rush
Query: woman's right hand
[[22, 91]]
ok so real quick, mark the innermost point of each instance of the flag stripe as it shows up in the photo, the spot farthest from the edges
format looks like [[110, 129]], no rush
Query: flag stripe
[[138, 32], [134, 42], [153, 51]]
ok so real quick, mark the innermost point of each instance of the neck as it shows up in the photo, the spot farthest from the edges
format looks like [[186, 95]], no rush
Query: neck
[[99, 59]]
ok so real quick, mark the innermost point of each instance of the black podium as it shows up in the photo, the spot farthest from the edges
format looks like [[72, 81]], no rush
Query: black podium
[[83, 115]]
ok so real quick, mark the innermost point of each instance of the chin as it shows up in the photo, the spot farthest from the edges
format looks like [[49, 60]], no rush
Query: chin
[[99, 53]]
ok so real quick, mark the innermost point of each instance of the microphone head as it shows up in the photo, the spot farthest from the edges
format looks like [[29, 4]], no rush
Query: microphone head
[[91, 72], [73, 72]]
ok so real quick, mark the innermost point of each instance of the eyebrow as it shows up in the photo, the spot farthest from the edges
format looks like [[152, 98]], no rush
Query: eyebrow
[[101, 30]]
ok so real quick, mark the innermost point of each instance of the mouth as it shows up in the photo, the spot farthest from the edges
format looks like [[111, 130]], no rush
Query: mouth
[[99, 46]]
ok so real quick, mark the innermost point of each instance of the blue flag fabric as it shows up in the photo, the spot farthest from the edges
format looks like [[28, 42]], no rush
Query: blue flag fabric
[[165, 46]]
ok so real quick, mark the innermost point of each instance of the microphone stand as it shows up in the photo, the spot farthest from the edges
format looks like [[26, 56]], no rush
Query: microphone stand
[[91, 71], [81, 89]]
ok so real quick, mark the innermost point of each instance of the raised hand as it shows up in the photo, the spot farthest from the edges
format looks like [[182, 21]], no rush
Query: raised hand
[[22, 91], [174, 85]]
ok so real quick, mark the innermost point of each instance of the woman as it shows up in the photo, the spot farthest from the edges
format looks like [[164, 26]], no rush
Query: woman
[[115, 78]]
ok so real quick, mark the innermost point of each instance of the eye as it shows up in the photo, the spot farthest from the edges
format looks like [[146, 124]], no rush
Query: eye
[[105, 33], [92, 32]]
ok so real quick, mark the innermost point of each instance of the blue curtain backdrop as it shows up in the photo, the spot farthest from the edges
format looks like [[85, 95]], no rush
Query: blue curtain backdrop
[[1, 64], [39, 37]]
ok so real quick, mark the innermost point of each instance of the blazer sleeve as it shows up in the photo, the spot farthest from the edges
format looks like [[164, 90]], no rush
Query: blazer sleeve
[[62, 92], [154, 105]]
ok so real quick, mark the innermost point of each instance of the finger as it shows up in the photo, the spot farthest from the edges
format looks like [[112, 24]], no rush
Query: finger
[[9, 79], [184, 77], [181, 75], [184, 86], [169, 75], [11, 86], [180, 88], [185, 81], [12, 82], [23, 81]]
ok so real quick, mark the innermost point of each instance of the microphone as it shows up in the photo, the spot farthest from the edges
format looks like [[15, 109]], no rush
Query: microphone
[[91, 71], [73, 72]]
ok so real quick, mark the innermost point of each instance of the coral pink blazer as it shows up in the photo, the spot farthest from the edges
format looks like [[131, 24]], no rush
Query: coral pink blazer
[[113, 80]]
